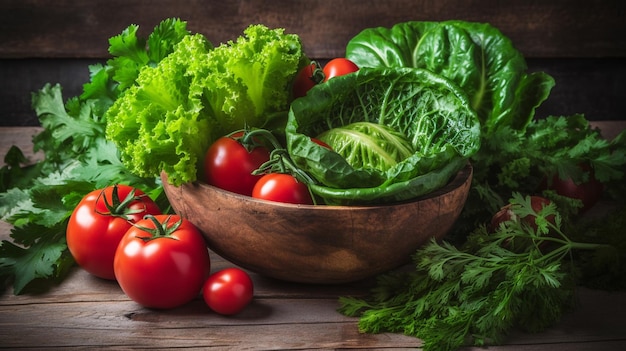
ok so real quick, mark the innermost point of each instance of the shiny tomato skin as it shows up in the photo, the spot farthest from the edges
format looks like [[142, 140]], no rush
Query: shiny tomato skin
[[506, 214], [338, 67], [306, 79], [229, 166], [282, 187], [162, 272], [93, 233], [589, 192], [228, 291]]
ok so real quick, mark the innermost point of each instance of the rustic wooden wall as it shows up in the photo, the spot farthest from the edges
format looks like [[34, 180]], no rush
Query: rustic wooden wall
[[581, 43]]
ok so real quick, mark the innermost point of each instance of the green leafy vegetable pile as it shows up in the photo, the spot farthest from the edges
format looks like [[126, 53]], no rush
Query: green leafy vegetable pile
[[177, 108], [428, 97], [156, 105], [78, 158], [474, 292], [476, 56]]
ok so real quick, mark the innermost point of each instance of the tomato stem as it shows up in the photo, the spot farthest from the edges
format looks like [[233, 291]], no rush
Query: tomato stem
[[121, 208], [160, 230], [250, 138]]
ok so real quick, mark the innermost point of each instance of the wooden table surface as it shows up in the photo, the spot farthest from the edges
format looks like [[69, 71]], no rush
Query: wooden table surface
[[85, 312]]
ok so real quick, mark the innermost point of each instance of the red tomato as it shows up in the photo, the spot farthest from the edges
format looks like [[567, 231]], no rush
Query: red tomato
[[506, 214], [229, 165], [228, 291], [338, 67], [99, 222], [282, 187], [309, 76], [588, 192], [162, 266]]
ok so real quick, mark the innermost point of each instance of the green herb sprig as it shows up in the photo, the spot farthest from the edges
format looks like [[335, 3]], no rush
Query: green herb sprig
[[37, 199], [475, 294]]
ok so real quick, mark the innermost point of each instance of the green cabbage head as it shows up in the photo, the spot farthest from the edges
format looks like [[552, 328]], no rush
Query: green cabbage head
[[395, 134]]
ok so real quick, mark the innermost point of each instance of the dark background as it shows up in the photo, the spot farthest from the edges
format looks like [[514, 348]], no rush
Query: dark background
[[582, 44]]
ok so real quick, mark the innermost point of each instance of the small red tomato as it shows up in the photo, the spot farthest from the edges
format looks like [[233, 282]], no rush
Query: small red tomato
[[162, 262], [229, 165], [308, 77], [506, 214], [228, 291], [339, 67], [589, 192], [99, 222], [282, 187]]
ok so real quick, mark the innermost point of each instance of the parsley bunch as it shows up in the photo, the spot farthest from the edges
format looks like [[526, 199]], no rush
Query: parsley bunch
[[38, 199], [517, 276], [522, 160]]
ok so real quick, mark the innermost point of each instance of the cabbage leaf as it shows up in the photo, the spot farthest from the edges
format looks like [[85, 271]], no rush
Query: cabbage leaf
[[476, 56], [430, 111]]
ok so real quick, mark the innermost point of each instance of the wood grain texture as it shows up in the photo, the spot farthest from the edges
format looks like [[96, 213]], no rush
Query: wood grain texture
[[75, 28]]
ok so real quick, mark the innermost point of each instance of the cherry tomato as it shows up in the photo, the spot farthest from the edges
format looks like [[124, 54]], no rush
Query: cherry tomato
[[338, 67], [228, 291], [282, 187], [99, 222], [588, 192], [309, 76], [162, 262], [506, 214], [229, 165]]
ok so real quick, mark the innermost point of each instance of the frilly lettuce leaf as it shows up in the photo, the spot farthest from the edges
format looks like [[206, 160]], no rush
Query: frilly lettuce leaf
[[198, 93]]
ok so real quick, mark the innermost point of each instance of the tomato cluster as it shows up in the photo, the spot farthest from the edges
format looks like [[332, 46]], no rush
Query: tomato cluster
[[313, 74], [158, 260], [234, 162], [231, 161]]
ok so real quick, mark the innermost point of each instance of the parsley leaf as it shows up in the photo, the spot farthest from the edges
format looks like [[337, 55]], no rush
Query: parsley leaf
[[38, 199], [476, 293]]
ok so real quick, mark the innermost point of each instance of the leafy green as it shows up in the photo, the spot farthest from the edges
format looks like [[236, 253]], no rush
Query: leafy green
[[521, 161], [130, 54], [428, 110], [476, 56], [476, 293], [37, 199], [199, 93], [367, 144]]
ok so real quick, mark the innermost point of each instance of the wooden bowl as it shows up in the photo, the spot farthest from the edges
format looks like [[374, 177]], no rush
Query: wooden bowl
[[317, 244]]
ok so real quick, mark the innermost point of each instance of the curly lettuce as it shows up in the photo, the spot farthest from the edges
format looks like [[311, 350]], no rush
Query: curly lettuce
[[198, 93]]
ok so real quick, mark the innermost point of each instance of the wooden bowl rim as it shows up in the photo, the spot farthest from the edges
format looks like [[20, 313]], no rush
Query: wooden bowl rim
[[459, 179]]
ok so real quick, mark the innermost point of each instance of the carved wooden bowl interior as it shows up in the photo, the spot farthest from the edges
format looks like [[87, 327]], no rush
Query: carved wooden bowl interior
[[317, 244]]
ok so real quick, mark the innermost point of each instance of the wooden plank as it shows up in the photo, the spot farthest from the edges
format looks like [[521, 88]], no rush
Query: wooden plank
[[74, 28], [269, 322]]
